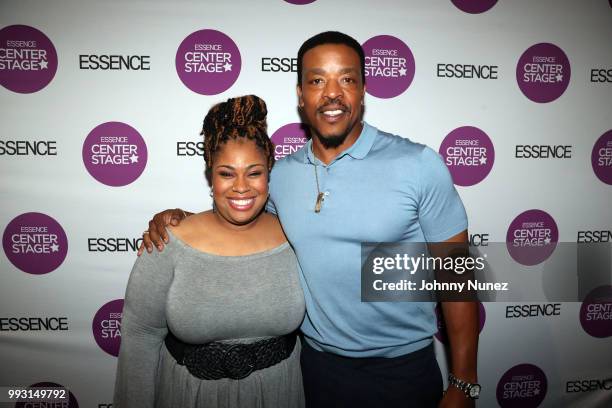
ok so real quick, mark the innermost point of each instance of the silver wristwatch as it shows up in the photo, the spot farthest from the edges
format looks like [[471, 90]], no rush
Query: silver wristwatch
[[470, 390]]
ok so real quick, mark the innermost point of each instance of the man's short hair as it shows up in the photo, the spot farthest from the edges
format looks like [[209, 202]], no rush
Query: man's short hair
[[330, 37]]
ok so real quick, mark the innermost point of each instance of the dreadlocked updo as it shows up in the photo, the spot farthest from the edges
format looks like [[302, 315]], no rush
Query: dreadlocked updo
[[237, 118]]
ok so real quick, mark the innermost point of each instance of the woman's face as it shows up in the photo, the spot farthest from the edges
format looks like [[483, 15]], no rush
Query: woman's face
[[239, 181]]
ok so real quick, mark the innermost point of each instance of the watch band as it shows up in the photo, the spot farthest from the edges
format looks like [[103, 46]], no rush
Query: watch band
[[471, 390]]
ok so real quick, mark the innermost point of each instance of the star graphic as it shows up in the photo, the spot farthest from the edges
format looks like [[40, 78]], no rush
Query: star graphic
[[43, 64], [227, 67], [559, 77], [134, 158], [402, 71], [54, 248], [547, 241], [483, 160], [536, 391]]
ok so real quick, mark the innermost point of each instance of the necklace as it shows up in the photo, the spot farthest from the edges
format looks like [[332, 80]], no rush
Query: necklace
[[320, 195]]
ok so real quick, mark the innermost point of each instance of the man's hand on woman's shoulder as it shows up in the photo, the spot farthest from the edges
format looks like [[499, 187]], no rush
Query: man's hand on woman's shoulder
[[156, 235]]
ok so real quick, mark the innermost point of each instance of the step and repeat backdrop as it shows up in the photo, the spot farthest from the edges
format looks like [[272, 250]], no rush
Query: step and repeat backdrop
[[101, 108]]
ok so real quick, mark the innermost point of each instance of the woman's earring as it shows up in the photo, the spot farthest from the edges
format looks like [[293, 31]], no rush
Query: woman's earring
[[211, 193]]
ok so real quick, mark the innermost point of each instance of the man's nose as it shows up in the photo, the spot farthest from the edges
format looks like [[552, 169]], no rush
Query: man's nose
[[332, 90]]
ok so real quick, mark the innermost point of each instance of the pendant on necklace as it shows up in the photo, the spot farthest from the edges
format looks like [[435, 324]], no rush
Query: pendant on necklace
[[320, 198]]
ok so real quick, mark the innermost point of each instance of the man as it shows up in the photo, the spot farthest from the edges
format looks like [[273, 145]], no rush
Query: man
[[351, 184]]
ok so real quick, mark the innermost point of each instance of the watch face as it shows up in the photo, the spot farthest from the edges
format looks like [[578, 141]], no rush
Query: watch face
[[475, 391]]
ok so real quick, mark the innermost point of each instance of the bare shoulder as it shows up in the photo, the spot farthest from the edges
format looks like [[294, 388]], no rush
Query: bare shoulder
[[191, 226], [273, 229]]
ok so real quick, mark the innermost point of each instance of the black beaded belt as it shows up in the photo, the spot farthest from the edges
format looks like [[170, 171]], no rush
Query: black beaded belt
[[215, 360]]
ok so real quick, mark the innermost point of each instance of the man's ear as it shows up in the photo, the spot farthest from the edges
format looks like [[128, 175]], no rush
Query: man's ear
[[298, 89]]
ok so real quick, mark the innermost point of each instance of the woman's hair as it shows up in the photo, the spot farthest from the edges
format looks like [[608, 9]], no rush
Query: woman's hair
[[237, 118]]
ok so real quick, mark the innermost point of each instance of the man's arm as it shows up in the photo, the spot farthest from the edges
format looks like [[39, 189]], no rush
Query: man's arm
[[157, 234], [461, 321]]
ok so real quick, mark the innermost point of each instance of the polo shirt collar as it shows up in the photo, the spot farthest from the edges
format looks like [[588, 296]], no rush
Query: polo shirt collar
[[358, 150]]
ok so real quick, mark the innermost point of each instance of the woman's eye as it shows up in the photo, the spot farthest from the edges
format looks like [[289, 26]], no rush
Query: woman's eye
[[225, 174], [255, 174]]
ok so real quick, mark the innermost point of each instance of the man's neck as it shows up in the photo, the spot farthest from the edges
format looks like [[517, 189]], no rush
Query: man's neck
[[326, 155]]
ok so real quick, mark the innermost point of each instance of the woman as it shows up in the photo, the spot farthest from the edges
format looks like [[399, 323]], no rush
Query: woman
[[210, 321]]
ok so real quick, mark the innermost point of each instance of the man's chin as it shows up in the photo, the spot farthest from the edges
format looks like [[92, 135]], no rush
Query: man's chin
[[332, 141]]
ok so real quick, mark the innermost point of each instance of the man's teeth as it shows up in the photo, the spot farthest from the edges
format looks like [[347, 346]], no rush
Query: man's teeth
[[242, 202], [332, 113]]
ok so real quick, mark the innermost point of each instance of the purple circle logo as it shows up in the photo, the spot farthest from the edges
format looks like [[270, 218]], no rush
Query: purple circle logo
[[106, 326], [289, 139], [474, 6], [208, 62], [532, 237], [469, 155], [115, 154], [389, 66], [28, 60], [543, 72], [596, 312], [35, 243], [442, 336], [601, 157], [522, 386], [72, 402]]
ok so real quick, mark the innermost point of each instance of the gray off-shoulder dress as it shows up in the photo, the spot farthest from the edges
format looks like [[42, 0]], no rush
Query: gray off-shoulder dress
[[201, 298]]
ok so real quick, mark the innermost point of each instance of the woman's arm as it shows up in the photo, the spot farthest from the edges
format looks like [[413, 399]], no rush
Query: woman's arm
[[143, 329]]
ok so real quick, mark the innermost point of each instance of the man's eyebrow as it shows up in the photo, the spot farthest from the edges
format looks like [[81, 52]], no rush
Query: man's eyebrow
[[316, 70], [342, 71]]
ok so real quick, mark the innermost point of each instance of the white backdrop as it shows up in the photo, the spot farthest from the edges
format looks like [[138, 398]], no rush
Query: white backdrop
[[165, 111]]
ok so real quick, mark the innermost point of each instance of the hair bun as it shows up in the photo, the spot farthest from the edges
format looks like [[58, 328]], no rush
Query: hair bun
[[242, 112], [237, 118]]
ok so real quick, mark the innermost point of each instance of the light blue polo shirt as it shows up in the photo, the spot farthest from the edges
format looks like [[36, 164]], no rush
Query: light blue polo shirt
[[384, 188]]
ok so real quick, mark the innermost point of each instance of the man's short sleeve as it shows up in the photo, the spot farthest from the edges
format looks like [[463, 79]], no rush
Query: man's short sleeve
[[441, 212]]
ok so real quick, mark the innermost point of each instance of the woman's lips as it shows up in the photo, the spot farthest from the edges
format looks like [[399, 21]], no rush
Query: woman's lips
[[241, 204]]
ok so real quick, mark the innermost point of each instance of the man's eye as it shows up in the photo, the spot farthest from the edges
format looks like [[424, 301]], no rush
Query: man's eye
[[349, 80], [316, 81]]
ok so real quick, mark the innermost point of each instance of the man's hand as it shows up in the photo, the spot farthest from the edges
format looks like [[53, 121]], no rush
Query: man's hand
[[461, 320], [455, 398], [157, 234]]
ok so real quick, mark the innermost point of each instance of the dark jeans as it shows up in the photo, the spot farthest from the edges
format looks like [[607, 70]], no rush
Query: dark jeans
[[409, 381]]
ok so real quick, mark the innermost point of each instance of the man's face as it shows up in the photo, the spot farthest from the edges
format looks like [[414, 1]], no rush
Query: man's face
[[332, 92]]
